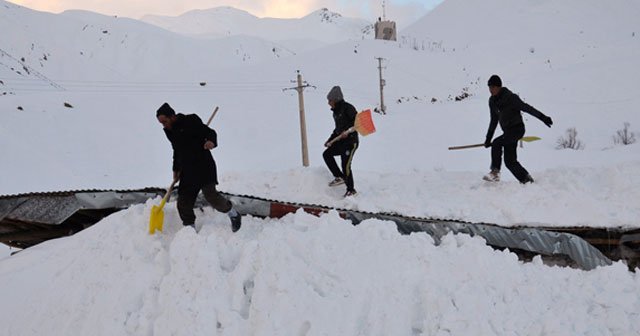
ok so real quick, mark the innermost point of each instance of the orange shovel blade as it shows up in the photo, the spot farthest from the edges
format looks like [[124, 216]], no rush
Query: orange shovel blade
[[364, 123]]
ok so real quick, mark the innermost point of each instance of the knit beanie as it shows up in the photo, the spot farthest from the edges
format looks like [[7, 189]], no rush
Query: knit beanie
[[335, 94], [495, 81], [165, 110]]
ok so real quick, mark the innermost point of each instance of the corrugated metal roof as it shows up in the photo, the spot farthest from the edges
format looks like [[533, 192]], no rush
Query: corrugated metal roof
[[73, 192], [45, 209], [54, 208]]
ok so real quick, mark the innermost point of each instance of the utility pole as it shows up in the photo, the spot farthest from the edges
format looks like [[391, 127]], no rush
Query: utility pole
[[383, 109], [303, 124], [384, 11]]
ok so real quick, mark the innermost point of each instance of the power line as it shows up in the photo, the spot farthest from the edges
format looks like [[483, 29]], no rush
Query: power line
[[35, 85], [32, 71]]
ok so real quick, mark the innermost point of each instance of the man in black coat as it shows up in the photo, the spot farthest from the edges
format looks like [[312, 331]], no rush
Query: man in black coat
[[193, 164], [344, 115], [505, 107]]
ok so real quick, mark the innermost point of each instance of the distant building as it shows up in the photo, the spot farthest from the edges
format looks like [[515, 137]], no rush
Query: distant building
[[385, 30]]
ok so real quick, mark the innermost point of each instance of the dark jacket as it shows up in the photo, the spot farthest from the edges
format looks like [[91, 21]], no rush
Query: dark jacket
[[344, 115], [505, 108], [195, 163]]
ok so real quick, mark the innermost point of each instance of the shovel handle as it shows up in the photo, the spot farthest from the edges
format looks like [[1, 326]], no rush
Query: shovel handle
[[332, 141], [465, 147], [212, 115], [525, 139], [166, 196]]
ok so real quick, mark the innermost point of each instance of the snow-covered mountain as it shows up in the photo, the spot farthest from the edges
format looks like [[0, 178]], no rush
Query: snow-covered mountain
[[572, 32], [80, 45], [542, 25], [305, 275], [318, 28]]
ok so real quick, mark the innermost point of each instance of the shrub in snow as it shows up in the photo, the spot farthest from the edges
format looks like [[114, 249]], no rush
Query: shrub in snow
[[465, 94], [624, 136], [570, 141]]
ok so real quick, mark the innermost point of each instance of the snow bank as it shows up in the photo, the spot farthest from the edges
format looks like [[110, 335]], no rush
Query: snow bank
[[301, 275], [561, 197]]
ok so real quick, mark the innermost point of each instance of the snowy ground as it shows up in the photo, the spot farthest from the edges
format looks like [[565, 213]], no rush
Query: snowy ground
[[305, 275]]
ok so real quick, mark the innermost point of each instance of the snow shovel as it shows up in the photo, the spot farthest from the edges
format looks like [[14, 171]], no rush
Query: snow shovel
[[363, 125], [525, 139], [157, 213]]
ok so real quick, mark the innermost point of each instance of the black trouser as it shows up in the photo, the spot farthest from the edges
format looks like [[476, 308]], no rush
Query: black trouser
[[346, 152], [509, 141], [187, 199]]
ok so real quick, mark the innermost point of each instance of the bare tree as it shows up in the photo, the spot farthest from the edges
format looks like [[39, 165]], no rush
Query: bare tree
[[624, 136], [571, 141]]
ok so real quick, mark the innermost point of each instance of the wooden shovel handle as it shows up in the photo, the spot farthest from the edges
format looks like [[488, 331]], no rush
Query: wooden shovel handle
[[465, 147], [212, 115], [332, 141], [166, 196], [525, 139]]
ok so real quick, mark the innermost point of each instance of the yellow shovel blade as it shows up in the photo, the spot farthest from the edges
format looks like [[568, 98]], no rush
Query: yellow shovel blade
[[530, 138], [156, 218]]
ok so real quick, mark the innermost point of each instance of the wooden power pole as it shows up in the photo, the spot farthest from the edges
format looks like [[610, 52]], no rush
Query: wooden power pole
[[383, 109], [303, 124]]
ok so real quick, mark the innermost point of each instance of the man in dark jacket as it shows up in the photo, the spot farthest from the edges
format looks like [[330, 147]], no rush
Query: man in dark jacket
[[193, 164], [344, 115], [505, 107]]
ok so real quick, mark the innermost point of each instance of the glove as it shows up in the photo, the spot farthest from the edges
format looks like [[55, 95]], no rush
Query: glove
[[487, 143], [547, 121]]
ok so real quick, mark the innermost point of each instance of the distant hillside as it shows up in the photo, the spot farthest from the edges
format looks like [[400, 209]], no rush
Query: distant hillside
[[322, 25], [534, 24], [80, 45]]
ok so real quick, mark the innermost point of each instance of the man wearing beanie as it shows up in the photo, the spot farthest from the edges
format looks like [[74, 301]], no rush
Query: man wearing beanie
[[344, 115], [193, 164], [505, 107]]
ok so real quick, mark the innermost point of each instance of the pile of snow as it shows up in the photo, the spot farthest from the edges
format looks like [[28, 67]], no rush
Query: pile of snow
[[301, 275]]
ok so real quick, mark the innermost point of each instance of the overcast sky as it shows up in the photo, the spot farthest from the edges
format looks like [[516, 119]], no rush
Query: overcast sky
[[404, 12]]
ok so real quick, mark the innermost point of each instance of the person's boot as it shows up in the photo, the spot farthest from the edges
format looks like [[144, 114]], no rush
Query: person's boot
[[336, 182], [236, 220], [493, 176], [527, 179], [350, 193]]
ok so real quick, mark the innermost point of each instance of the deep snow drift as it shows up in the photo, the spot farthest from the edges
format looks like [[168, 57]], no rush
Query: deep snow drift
[[301, 275]]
